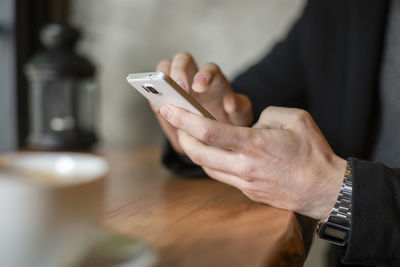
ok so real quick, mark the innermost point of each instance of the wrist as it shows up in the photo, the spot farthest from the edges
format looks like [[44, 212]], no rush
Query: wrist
[[326, 188], [333, 186], [336, 227]]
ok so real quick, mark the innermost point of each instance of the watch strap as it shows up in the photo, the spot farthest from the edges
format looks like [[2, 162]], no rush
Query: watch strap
[[336, 228]]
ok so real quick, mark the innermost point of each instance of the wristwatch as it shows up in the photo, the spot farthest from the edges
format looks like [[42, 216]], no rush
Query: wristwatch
[[337, 227]]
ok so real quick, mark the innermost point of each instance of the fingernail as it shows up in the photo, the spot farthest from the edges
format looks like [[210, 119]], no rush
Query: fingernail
[[229, 108], [203, 80], [200, 84], [165, 112], [181, 84], [229, 104]]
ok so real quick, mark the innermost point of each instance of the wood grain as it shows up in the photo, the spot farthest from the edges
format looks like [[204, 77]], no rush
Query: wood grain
[[195, 222]]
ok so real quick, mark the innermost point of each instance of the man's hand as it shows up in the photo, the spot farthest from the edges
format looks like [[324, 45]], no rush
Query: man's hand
[[283, 160], [210, 88]]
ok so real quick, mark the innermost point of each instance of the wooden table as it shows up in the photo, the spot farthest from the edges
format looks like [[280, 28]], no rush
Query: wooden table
[[195, 222]]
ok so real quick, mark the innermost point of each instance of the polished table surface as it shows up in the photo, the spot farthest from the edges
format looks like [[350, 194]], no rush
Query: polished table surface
[[195, 222]]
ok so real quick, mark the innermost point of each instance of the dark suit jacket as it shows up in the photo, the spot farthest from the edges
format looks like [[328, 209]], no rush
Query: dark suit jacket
[[329, 64]]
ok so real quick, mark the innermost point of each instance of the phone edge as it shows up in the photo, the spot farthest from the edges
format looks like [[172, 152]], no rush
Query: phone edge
[[179, 89]]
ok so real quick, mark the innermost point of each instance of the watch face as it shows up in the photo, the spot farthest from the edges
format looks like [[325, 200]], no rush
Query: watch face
[[334, 233]]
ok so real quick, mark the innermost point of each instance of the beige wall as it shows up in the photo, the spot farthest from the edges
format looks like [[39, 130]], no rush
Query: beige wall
[[125, 36]]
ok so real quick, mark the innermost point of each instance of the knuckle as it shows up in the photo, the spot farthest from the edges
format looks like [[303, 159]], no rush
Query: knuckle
[[251, 193], [163, 65], [179, 73], [183, 55], [164, 62], [208, 171], [175, 120], [182, 62], [267, 110], [197, 158], [263, 115], [245, 170], [300, 116], [211, 66], [207, 135], [271, 108], [245, 187]]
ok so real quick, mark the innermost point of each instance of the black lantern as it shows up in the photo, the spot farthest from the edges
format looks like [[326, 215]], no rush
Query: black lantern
[[63, 95]]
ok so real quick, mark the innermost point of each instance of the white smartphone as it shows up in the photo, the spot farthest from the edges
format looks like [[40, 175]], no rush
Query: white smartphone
[[160, 89]]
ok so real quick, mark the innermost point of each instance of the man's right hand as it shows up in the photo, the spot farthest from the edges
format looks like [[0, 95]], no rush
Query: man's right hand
[[210, 88]]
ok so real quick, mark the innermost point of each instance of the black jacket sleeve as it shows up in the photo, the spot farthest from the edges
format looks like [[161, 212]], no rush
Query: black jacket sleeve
[[375, 234], [278, 78]]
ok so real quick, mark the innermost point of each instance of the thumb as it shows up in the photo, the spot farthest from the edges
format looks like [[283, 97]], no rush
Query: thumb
[[238, 108]]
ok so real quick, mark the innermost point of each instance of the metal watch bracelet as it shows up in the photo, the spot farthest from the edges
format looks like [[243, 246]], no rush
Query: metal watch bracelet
[[336, 228]]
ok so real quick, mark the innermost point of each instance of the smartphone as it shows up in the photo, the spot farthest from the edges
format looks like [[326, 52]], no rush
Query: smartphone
[[160, 89]]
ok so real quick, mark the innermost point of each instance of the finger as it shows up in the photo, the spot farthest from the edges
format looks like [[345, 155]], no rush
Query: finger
[[274, 118], [183, 68], [250, 189], [168, 129], [170, 132], [208, 73], [164, 66], [244, 166], [213, 157], [239, 109], [207, 130], [284, 118], [226, 178]]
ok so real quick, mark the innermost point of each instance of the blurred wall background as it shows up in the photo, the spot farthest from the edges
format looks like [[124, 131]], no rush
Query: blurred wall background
[[125, 36]]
